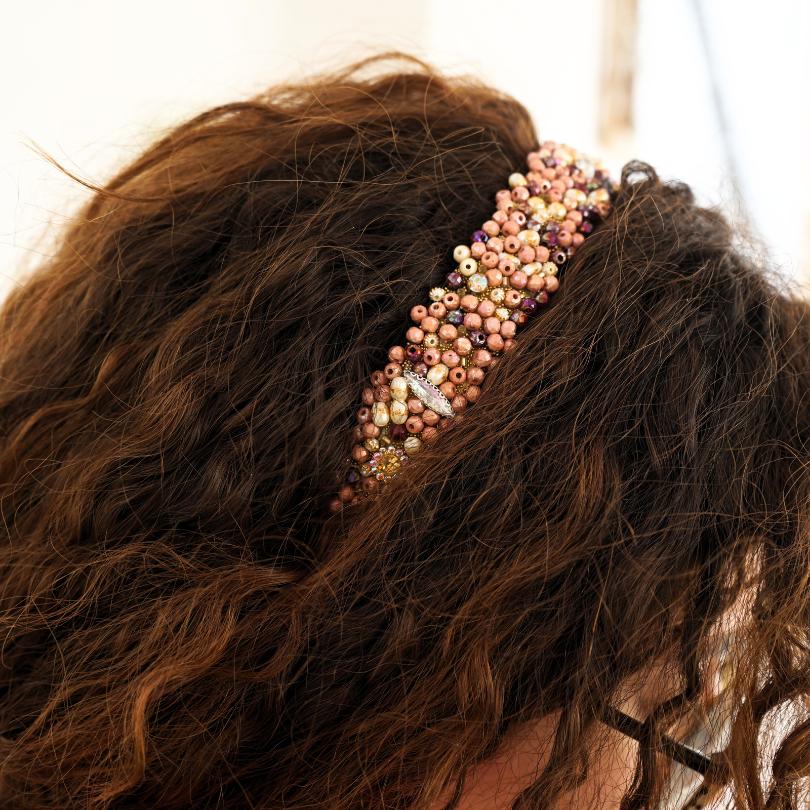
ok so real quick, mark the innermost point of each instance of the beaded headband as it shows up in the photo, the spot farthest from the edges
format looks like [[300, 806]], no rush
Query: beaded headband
[[502, 278]]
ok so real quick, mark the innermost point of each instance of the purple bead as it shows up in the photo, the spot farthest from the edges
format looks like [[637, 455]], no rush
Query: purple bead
[[479, 236], [517, 316], [559, 257], [413, 352], [586, 227], [455, 317], [550, 238], [529, 305], [397, 432], [455, 280], [550, 162], [534, 189], [352, 476], [477, 338]]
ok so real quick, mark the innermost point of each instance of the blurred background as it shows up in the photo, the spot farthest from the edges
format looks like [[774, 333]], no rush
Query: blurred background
[[713, 92]]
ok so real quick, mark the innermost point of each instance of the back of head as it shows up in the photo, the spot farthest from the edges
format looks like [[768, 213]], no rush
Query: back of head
[[186, 624]]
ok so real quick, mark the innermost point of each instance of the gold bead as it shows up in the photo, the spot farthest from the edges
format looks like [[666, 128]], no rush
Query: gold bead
[[502, 313], [437, 293], [557, 210], [529, 237], [431, 340], [549, 269], [496, 294], [413, 444], [517, 179], [372, 444]]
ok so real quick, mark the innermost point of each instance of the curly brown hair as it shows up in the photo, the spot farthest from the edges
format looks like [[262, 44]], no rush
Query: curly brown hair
[[184, 623]]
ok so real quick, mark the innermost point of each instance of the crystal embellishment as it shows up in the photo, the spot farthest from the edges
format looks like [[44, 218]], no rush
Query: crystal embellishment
[[428, 394]]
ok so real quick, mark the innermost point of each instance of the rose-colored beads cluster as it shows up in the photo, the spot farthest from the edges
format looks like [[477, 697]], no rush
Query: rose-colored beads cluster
[[502, 278]]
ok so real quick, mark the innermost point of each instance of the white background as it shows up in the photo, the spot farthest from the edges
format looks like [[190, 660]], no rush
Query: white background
[[93, 82]]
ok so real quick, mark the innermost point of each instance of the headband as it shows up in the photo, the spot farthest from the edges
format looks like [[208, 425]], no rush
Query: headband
[[502, 278]]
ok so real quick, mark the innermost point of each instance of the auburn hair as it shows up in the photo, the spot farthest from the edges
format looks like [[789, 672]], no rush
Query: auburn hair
[[185, 623]]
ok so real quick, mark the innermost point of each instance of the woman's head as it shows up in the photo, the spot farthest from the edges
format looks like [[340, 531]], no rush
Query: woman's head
[[185, 623]]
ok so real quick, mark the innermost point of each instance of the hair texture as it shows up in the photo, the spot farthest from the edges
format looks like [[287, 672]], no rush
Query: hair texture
[[186, 624]]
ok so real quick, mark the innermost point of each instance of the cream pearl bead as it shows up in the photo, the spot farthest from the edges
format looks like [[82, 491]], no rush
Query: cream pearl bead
[[529, 237], [461, 252], [517, 179], [412, 445], [438, 374], [399, 389], [399, 411], [467, 267], [380, 414]]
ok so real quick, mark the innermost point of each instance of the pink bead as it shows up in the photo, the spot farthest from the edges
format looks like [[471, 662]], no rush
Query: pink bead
[[421, 368], [463, 346], [503, 194], [555, 195], [541, 253], [418, 312], [448, 332], [512, 298], [490, 259], [574, 216], [518, 281], [378, 378], [429, 324], [363, 415], [414, 424], [458, 403], [370, 430], [450, 358], [486, 308], [508, 329], [495, 343], [429, 434], [472, 393], [415, 405], [392, 370], [492, 325], [526, 254], [519, 217], [396, 354], [469, 302], [500, 217], [432, 356], [520, 193], [368, 396], [482, 358], [535, 283], [564, 238], [508, 265], [382, 393], [508, 344], [437, 309], [491, 228], [579, 238], [475, 376], [495, 244], [511, 244], [494, 277], [472, 320], [415, 335], [429, 417], [568, 225], [457, 375], [478, 249], [448, 389], [552, 283], [451, 300]]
